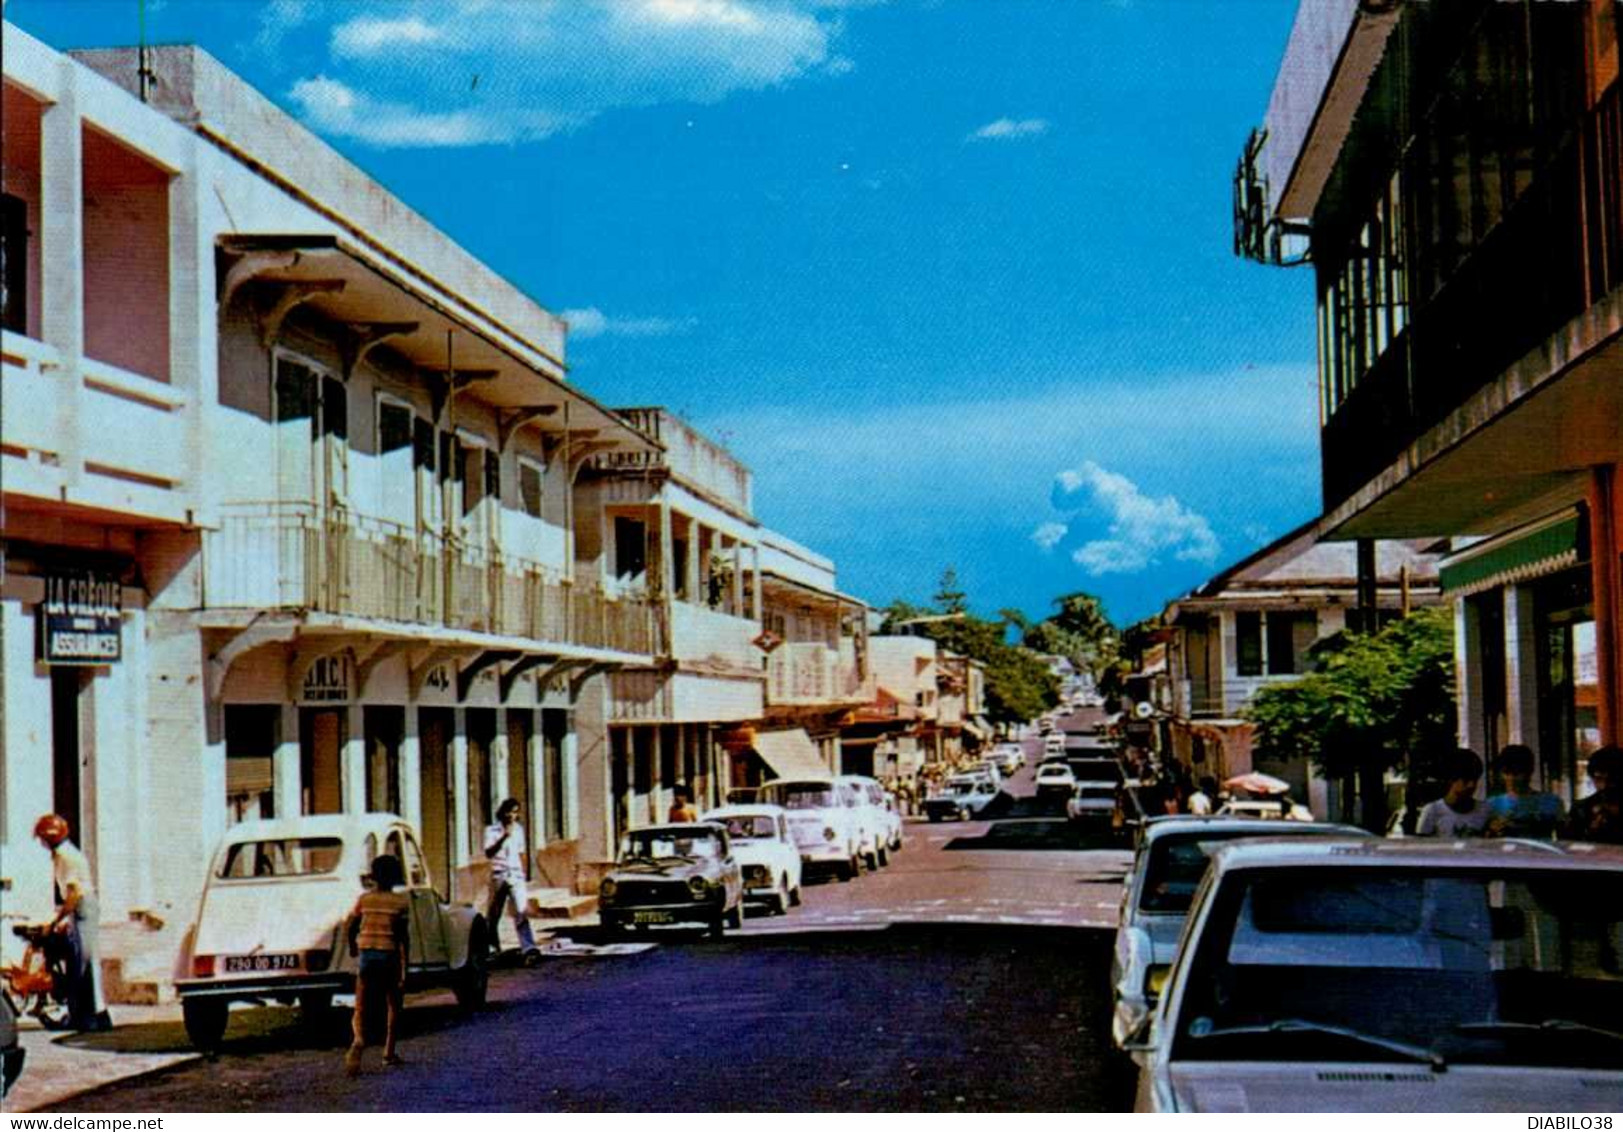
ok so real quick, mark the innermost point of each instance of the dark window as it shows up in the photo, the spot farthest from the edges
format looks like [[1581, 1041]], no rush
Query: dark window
[[334, 408], [295, 392], [529, 489], [554, 728], [1282, 644], [448, 455], [630, 547], [493, 475], [679, 566], [1248, 632], [422, 443], [13, 264], [394, 427]]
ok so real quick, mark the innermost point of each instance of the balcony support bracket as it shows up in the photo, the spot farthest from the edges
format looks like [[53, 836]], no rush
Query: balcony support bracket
[[363, 336], [519, 667], [578, 681], [367, 663], [293, 294], [508, 424], [470, 671], [417, 674], [253, 636], [249, 265]]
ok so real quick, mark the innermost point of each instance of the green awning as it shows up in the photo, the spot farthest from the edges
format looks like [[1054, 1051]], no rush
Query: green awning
[[1516, 556]]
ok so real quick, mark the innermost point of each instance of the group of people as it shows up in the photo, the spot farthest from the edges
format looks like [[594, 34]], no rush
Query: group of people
[[1518, 810]]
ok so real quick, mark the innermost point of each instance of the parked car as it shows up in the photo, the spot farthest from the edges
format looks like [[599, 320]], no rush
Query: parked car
[[822, 820], [963, 796], [677, 873], [1170, 860], [767, 857], [1265, 809], [989, 766], [893, 822], [1010, 756], [1053, 743], [1055, 783], [271, 921], [1322, 974], [873, 823]]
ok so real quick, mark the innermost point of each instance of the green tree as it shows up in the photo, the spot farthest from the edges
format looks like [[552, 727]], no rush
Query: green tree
[[1373, 702], [949, 598]]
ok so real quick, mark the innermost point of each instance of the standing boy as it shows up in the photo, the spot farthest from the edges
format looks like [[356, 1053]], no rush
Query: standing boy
[[504, 848]]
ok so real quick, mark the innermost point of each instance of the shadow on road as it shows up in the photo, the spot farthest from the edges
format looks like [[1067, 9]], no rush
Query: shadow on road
[[1040, 833]]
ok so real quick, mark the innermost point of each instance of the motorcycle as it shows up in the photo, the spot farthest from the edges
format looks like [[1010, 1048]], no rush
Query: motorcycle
[[41, 978]]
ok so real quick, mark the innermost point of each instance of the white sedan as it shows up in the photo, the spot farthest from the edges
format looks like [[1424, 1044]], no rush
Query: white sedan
[[765, 851]]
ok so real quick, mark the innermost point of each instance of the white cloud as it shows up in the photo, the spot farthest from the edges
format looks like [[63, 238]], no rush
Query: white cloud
[[495, 68], [1140, 527], [1008, 129], [366, 36], [332, 107], [590, 322], [278, 18], [1049, 535]]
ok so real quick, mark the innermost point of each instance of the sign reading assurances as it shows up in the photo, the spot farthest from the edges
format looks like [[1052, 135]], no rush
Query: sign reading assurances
[[81, 619]]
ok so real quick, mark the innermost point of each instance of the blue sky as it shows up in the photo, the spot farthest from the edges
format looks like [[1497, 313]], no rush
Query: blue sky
[[952, 277]]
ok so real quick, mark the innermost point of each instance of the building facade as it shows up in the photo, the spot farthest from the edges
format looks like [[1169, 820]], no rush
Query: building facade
[[1252, 626], [1454, 172]]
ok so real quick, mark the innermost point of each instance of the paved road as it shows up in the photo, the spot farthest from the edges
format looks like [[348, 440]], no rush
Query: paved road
[[968, 975]]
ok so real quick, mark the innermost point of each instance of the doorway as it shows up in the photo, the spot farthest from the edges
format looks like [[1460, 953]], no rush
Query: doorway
[[435, 727], [321, 744], [68, 754]]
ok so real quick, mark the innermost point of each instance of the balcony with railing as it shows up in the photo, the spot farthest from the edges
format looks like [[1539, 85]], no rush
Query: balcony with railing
[[126, 432], [810, 674], [292, 556], [686, 453], [712, 638]]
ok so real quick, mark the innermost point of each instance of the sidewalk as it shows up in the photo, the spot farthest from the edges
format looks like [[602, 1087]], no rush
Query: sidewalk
[[59, 1066]]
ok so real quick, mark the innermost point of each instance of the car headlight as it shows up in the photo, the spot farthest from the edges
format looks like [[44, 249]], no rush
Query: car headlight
[[828, 833], [699, 887], [607, 889]]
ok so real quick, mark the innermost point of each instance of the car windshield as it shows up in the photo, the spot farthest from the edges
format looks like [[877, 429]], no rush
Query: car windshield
[[804, 796], [1096, 770], [660, 843], [749, 827], [284, 857], [1514, 967]]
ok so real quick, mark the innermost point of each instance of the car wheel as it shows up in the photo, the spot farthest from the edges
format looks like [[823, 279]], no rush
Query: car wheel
[[848, 871], [935, 815], [872, 859], [883, 855], [794, 897], [896, 844], [718, 925], [205, 1020], [780, 899], [735, 918], [473, 977]]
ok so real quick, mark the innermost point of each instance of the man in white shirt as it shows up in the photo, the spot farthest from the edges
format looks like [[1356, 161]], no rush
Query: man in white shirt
[[504, 848], [77, 920], [1457, 813]]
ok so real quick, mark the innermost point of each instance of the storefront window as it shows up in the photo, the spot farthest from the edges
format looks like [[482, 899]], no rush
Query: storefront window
[[1569, 726]]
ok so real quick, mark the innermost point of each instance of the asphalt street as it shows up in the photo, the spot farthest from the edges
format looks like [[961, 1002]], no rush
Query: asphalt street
[[969, 975]]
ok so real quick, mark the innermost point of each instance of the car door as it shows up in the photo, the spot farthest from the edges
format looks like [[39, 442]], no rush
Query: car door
[[428, 942]]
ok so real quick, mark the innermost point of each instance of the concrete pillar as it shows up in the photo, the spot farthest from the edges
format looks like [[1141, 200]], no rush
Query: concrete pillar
[[458, 833], [352, 761], [61, 259], [571, 779], [411, 771], [534, 755], [588, 805], [1468, 676], [1521, 668], [501, 783], [285, 768], [755, 569]]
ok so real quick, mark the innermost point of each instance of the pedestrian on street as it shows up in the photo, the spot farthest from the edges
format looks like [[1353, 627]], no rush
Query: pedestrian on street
[[1457, 813], [379, 935], [78, 921], [504, 849], [1599, 817], [682, 809], [1521, 811], [1200, 802]]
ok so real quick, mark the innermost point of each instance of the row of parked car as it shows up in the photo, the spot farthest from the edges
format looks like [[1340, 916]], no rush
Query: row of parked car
[[977, 791], [1305, 966], [756, 849]]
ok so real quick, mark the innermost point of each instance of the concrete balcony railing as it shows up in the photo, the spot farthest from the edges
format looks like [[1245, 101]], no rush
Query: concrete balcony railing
[[125, 432], [810, 673], [290, 556], [711, 637]]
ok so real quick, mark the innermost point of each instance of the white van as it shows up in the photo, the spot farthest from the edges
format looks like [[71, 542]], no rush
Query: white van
[[873, 821], [823, 820]]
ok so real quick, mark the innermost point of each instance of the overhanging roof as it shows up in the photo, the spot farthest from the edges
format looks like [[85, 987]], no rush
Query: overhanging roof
[[790, 754]]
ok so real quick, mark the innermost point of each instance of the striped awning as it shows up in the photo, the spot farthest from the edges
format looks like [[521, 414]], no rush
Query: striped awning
[[1528, 552], [790, 754]]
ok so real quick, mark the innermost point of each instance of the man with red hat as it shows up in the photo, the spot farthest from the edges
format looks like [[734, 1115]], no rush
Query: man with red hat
[[77, 919]]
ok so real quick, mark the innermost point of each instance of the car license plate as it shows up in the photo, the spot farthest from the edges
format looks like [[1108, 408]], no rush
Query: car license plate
[[285, 961], [652, 918]]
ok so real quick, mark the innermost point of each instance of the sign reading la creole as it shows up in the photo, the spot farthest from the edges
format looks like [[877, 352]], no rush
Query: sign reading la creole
[[81, 619]]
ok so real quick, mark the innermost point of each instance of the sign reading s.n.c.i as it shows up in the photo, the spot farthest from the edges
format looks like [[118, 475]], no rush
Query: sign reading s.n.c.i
[[81, 618]]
